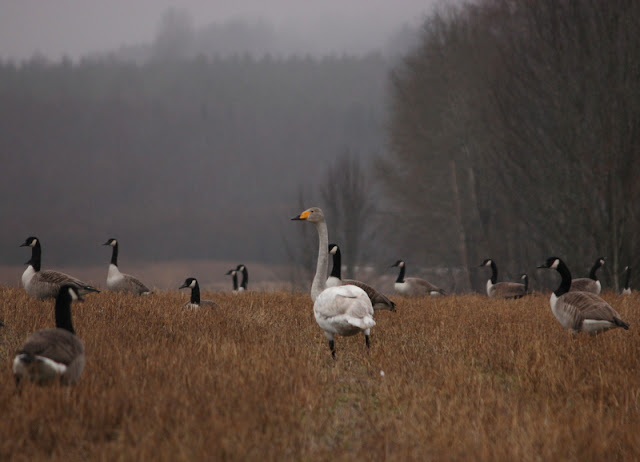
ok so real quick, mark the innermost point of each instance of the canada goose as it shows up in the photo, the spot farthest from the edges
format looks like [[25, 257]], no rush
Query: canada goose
[[590, 284], [121, 282], [195, 301], [342, 310], [580, 311], [502, 289], [379, 301], [234, 279], [245, 278], [627, 287], [46, 284], [53, 353], [525, 280], [414, 287]]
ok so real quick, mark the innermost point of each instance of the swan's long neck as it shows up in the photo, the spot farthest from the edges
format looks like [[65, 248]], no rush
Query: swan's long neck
[[114, 255], [195, 294], [320, 279]]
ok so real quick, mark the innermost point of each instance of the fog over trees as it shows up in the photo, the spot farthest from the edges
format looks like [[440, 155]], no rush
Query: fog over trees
[[509, 130], [514, 135], [197, 158]]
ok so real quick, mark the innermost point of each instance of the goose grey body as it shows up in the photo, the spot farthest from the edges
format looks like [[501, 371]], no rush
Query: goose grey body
[[121, 282], [195, 301], [503, 289], [46, 284], [627, 286], [378, 300], [414, 287], [51, 354], [580, 311], [590, 284]]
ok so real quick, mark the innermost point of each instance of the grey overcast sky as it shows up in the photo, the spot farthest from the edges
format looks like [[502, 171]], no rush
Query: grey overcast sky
[[78, 27]]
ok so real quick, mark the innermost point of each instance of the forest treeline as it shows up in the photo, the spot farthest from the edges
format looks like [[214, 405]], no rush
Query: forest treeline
[[515, 135], [510, 131], [180, 158]]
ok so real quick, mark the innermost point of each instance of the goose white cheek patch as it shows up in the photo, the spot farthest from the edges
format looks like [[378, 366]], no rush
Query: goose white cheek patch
[[74, 297]]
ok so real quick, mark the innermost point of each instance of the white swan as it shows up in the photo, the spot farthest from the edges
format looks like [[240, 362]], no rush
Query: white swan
[[343, 310]]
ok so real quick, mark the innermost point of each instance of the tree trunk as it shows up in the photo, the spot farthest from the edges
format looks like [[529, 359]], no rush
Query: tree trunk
[[462, 238]]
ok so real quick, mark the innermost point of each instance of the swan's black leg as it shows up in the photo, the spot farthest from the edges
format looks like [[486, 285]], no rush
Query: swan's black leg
[[332, 347], [366, 340]]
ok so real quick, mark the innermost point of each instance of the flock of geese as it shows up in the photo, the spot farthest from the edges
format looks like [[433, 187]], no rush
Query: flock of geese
[[346, 307], [57, 353], [341, 307]]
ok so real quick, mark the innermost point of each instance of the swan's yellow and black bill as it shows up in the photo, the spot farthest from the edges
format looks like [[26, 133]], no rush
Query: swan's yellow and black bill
[[303, 216]]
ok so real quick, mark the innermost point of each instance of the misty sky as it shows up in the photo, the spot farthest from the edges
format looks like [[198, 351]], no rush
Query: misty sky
[[78, 27]]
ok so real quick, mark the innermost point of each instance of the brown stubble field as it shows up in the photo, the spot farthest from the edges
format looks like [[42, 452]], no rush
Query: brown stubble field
[[465, 377]]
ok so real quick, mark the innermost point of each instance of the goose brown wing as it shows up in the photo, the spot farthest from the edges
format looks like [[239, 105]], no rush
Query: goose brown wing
[[58, 345], [424, 285], [508, 289], [135, 285], [580, 306], [378, 300], [53, 280], [58, 278], [584, 285]]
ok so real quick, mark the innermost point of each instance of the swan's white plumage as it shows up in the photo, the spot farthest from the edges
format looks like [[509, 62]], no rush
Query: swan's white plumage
[[344, 310]]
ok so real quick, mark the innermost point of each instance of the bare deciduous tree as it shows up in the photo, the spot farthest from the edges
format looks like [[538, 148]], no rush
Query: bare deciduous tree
[[347, 195], [514, 134]]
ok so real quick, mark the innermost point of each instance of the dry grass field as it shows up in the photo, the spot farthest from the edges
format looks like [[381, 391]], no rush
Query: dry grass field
[[465, 378]]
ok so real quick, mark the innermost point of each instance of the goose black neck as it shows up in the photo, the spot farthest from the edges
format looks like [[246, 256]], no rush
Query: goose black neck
[[36, 256], [63, 311], [245, 278], [526, 284], [594, 268], [195, 294], [401, 275], [494, 272], [337, 265], [234, 278], [565, 284], [114, 255], [628, 279]]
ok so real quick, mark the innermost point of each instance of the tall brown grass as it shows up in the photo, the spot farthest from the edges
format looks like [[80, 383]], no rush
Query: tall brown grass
[[465, 377]]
